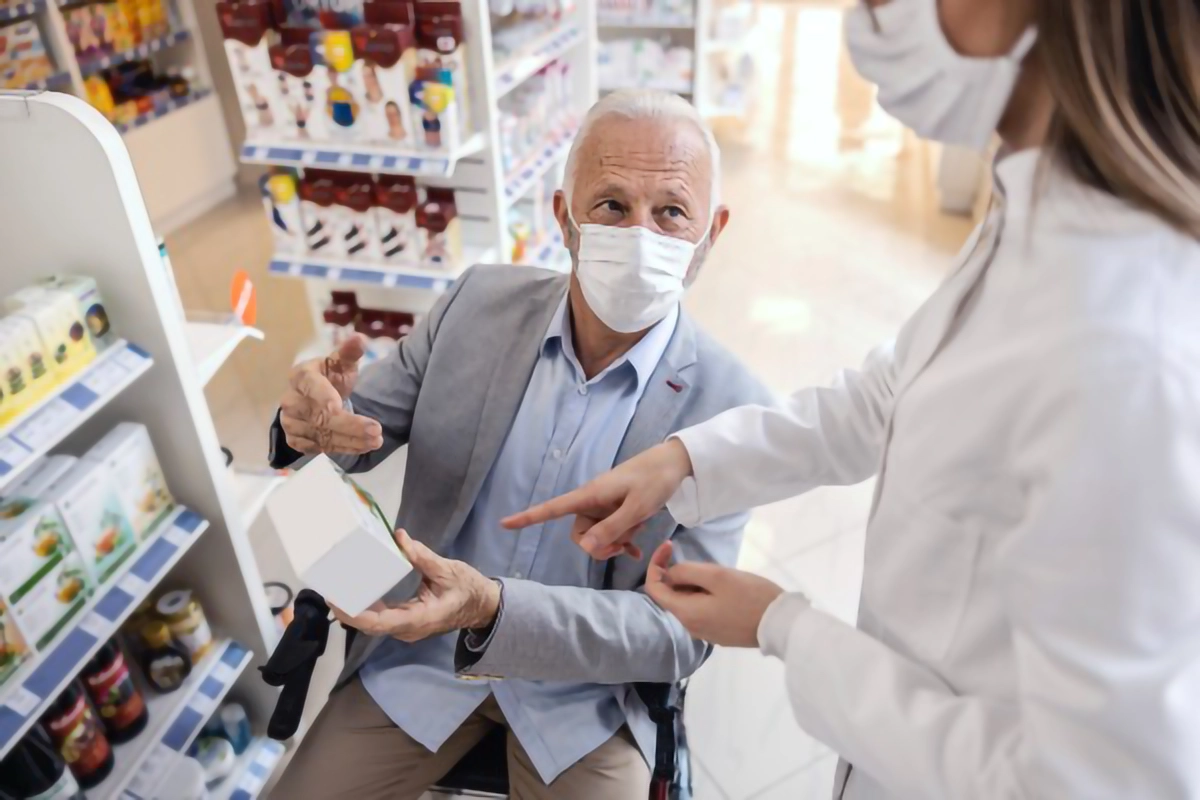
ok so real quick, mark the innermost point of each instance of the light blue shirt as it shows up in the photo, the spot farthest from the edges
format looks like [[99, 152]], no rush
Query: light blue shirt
[[567, 431]]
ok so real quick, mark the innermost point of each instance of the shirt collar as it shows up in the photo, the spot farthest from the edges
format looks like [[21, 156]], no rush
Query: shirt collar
[[643, 356]]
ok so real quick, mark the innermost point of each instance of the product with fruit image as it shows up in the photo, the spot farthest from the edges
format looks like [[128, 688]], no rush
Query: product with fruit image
[[91, 504], [127, 453], [13, 650], [79, 738], [41, 576]]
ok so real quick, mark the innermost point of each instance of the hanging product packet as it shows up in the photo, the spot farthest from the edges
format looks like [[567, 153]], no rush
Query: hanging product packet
[[317, 194], [439, 88], [438, 230], [354, 217], [386, 51], [281, 200], [246, 27], [337, 82], [396, 220], [292, 60]]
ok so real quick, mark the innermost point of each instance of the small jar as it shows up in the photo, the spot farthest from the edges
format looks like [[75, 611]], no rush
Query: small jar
[[186, 621], [165, 662]]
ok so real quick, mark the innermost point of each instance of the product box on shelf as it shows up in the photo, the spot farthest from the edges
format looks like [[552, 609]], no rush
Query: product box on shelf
[[127, 453], [336, 538], [387, 57], [438, 230], [90, 304], [292, 60], [91, 506], [44, 473], [439, 90], [60, 326], [317, 194], [281, 200], [337, 83], [354, 217], [396, 220], [13, 649], [42, 578], [152, 18], [28, 369], [23, 58], [246, 27]]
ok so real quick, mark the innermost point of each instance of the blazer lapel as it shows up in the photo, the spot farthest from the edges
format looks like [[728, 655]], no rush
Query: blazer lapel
[[662, 402], [506, 389]]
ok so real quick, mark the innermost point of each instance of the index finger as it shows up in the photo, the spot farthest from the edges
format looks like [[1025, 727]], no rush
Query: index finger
[[572, 502]]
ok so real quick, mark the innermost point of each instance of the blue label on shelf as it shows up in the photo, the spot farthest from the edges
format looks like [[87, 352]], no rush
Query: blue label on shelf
[[79, 396], [362, 275], [181, 730], [189, 520]]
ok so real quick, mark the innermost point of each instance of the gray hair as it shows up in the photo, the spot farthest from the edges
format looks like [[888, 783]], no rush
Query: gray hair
[[645, 104]]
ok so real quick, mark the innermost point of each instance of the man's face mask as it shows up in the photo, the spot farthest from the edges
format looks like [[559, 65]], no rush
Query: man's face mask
[[632, 277]]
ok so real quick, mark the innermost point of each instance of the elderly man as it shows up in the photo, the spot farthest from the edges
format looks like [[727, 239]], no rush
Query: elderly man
[[522, 384]]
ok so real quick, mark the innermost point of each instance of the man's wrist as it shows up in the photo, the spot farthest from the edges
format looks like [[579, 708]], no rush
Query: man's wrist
[[491, 594], [681, 460]]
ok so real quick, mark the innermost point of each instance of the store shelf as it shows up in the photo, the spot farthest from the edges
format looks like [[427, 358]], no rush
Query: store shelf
[[212, 343], [70, 405], [679, 87], [174, 104], [93, 64], [175, 721], [252, 492], [541, 52], [57, 81], [555, 148], [28, 694], [19, 10], [607, 19], [551, 254], [315, 268], [252, 772], [379, 159]]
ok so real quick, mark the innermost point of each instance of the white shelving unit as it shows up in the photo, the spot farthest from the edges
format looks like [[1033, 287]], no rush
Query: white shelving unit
[[484, 191], [212, 343], [155, 380], [180, 149], [679, 28]]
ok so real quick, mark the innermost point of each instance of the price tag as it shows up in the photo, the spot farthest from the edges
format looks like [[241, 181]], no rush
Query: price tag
[[12, 453], [175, 536], [46, 426], [104, 377], [203, 705], [22, 701], [96, 626], [132, 585], [251, 784], [223, 672], [346, 159], [134, 362], [152, 770], [376, 162]]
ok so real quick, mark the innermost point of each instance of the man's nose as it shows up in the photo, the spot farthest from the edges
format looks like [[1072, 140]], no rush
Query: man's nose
[[642, 216]]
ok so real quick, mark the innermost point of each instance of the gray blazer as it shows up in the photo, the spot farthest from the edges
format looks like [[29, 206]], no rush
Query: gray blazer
[[451, 392]]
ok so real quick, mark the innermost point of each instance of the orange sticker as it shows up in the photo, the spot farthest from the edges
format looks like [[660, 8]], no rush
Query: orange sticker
[[243, 298]]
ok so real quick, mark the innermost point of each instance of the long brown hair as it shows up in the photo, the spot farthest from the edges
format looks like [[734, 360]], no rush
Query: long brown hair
[[1125, 76]]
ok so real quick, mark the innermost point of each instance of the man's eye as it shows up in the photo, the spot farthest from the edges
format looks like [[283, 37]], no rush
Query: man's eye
[[675, 212], [611, 205]]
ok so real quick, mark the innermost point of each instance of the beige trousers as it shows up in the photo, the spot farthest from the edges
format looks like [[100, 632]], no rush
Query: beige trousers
[[354, 751]]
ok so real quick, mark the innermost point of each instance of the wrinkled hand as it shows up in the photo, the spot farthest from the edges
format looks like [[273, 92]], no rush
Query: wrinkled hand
[[311, 413], [453, 595], [717, 604], [610, 510]]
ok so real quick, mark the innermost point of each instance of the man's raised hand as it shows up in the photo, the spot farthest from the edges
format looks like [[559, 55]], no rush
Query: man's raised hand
[[312, 413]]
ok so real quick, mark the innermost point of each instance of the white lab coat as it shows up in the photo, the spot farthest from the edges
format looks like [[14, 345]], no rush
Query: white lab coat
[[1030, 615]]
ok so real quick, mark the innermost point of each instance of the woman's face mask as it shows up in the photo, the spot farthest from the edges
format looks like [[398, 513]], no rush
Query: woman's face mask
[[632, 277], [923, 82]]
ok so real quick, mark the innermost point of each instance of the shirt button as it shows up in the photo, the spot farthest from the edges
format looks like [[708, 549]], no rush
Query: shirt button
[[583, 389], [517, 574], [557, 454]]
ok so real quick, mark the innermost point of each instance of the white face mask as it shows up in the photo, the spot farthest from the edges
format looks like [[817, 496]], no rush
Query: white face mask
[[923, 81], [631, 277]]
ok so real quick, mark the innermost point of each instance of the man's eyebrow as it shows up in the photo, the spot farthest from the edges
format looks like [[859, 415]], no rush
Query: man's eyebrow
[[609, 189]]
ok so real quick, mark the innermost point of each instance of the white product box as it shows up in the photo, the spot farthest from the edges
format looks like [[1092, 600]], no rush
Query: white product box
[[128, 455], [90, 505], [42, 578], [282, 203], [338, 541]]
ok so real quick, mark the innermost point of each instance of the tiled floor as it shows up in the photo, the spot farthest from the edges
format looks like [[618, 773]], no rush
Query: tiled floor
[[835, 238]]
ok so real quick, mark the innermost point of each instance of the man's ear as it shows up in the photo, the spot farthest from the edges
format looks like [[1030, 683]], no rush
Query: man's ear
[[560, 215], [720, 220]]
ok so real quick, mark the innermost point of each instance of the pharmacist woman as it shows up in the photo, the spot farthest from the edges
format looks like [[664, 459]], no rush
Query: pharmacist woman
[[1030, 615]]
